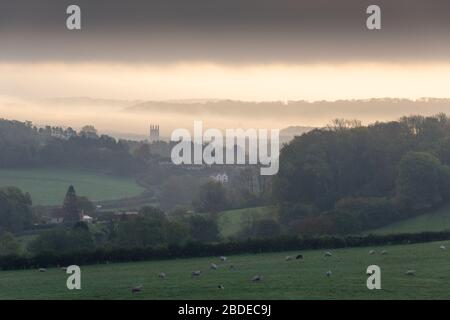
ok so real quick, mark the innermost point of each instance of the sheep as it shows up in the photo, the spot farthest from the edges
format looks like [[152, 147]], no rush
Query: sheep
[[384, 252], [213, 266], [372, 252], [221, 287], [328, 274], [42, 270], [257, 278], [223, 258], [410, 272], [137, 289], [196, 273], [288, 258], [231, 266], [328, 254], [300, 256], [162, 275], [443, 247]]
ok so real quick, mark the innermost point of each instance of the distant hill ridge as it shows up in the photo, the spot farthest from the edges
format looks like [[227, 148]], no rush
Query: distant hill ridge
[[363, 109]]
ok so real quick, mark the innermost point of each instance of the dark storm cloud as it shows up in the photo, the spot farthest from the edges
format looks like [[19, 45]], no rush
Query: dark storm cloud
[[232, 31]]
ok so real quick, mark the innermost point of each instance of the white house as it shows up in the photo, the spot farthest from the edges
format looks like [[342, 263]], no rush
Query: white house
[[220, 177]]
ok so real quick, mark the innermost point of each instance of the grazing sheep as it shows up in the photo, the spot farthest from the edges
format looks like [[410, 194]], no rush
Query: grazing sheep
[[257, 278], [371, 252], [328, 274], [300, 256], [137, 289], [223, 259], [384, 252], [196, 273], [42, 270], [162, 275], [220, 287], [214, 266], [443, 247], [328, 254], [288, 258], [410, 272]]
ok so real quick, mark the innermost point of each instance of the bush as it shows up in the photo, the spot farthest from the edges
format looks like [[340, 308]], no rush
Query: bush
[[290, 212], [212, 198], [142, 232], [370, 212], [8, 244], [204, 229], [264, 228], [61, 240], [311, 226], [419, 181]]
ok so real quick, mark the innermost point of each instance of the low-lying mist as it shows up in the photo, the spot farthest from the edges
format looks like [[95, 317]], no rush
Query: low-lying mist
[[131, 119]]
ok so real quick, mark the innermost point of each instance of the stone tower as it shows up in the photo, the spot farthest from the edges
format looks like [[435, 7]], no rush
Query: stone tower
[[154, 133]]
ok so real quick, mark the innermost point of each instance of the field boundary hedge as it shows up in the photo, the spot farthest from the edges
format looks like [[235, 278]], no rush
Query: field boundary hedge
[[194, 249]]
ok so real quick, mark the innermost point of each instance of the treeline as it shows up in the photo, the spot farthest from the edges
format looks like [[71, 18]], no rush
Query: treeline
[[25, 145], [197, 249], [347, 178]]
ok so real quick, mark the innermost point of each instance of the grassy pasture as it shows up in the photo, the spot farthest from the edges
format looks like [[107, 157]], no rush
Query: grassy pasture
[[438, 220], [48, 186], [294, 279]]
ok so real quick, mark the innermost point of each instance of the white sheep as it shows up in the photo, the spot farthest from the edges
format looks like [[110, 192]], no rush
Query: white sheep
[[328, 254], [384, 252], [371, 252], [42, 270], [214, 266], [223, 258], [196, 273], [443, 247], [137, 289], [410, 272], [288, 258], [162, 275], [328, 274], [220, 287], [257, 278]]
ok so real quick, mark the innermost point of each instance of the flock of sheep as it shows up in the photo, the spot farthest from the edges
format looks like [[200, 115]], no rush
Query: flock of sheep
[[258, 277]]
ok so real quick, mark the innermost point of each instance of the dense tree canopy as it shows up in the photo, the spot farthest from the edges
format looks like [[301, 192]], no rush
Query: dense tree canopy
[[15, 209], [8, 244], [212, 197], [420, 180], [356, 177], [25, 145]]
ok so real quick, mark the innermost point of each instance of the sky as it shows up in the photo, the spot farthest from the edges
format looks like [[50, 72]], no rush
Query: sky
[[251, 50]]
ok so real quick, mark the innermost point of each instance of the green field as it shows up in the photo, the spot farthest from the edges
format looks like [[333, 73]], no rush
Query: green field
[[49, 186], [233, 221], [435, 221], [294, 279]]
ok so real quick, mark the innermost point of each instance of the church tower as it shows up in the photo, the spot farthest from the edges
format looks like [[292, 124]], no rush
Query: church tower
[[154, 133]]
